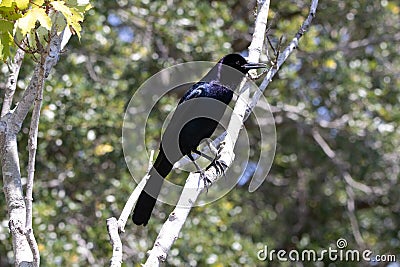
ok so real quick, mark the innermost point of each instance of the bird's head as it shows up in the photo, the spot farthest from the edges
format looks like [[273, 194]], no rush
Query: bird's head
[[239, 63]]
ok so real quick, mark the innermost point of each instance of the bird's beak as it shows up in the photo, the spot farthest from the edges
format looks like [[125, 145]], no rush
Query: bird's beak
[[250, 66]]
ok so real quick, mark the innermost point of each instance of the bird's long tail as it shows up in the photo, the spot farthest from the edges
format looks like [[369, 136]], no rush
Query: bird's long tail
[[148, 197]]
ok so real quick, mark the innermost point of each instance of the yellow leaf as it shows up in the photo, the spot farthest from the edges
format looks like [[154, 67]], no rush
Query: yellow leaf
[[28, 21], [103, 149], [72, 15], [6, 3], [88, 6], [38, 2], [60, 6], [44, 20], [22, 4]]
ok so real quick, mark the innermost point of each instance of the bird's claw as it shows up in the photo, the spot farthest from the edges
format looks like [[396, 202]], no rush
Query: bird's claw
[[220, 166], [206, 181], [220, 147]]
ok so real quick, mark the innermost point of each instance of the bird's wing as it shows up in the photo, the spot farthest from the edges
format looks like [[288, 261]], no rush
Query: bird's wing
[[170, 137], [193, 92]]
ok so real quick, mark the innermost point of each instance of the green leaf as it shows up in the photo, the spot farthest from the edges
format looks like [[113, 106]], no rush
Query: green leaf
[[9, 13], [59, 22], [6, 39], [28, 21], [6, 42], [42, 34], [6, 26]]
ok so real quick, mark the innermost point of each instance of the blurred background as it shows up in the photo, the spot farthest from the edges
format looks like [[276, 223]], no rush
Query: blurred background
[[336, 105]]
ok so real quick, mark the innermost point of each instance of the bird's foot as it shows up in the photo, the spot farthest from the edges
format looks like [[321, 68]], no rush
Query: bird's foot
[[220, 166], [207, 182], [202, 176]]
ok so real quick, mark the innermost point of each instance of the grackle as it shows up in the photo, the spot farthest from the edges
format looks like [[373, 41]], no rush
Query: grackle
[[195, 118]]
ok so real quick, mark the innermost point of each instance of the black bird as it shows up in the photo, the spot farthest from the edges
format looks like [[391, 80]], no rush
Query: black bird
[[195, 118]]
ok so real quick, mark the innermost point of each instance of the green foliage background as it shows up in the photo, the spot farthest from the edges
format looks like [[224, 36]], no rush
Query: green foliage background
[[343, 82]]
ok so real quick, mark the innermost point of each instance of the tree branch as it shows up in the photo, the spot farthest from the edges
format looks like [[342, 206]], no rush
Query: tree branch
[[352, 217], [350, 184], [13, 193], [349, 46], [11, 84], [30, 237], [342, 168], [32, 148], [42, 70], [113, 232], [283, 56]]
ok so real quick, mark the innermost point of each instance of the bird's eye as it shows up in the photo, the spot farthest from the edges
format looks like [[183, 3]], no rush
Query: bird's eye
[[237, 62]]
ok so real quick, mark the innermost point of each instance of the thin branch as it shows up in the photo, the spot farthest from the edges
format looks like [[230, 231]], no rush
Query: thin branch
[[112, 229], [42, 70], [349, 46], [350, 184], [335, 124], [11, 84], [363, 187], [323, 144], [30, 237], [123, 218], [342, 168], [173, 225], [283, 56], [32, 147], [352, 217], [257, 42], [114, 226]]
